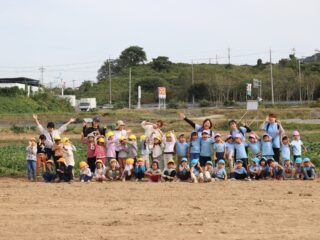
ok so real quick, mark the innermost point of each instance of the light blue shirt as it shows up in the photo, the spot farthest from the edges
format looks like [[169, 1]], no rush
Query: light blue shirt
[[273, 132], [199, 131], [296, 147], [218, 147], [285, 151], [267, 149], [195, 146], [255, 147], [254, 168], [221, 173], [229, 146], [206, 147], [241, 170], [242, 133], [181, 149], [240, 150]]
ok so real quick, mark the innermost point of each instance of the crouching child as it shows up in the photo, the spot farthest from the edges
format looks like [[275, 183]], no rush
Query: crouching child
[[113, 172], [184, 170], [169, 174], [85, 172], [219, 172], [309, 172], [139, 169], [49, 175], [196, 171]]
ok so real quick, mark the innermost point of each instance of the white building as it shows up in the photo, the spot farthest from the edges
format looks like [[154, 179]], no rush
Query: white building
[[27, 84]]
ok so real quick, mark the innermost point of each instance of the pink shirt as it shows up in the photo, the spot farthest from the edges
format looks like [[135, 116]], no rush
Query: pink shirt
[[100, 151], [111, 149], [90, 148]]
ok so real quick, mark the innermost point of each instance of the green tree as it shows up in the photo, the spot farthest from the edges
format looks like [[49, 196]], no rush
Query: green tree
[[132, 56], [199, 91], [103, 72], [161, 63]]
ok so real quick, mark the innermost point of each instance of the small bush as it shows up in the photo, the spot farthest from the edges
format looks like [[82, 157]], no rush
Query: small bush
[[204, 103]]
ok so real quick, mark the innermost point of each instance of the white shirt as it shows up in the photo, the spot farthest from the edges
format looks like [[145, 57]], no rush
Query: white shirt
[[50, 136]]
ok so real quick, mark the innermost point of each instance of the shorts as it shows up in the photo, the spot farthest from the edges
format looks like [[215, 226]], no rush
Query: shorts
[[203, 160]]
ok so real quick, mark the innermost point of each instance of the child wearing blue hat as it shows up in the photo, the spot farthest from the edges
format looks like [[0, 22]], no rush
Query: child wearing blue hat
[[219, 147], [288, 169], [298, 168], [275, 170], [196, 171], [219, 172], [309, 172], [208, 171], [240, 173], [184, 170], [254, 169]]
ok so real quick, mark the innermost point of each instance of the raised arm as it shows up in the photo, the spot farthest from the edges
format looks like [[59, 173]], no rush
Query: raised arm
[[183, 117], [64, 126]]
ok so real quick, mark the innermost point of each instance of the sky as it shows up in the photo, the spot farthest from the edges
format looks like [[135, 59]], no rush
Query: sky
[[72, 38]]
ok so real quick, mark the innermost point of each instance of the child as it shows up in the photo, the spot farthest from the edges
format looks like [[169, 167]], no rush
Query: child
[[100, 150], [113, 172], [254, 145], [285, 148], [57, 149], [41, 154], [169, 174], [157, 151], [111, 147], [296, 144], [196, 171], [49, 175], [288, 169], [184, 170], [169, 143], [181, 148], [208, 171], [91, 146], [128, 171], [219, 172], [68, 149], [132, 147], [194, 146], [144, 151], [240, 149], [139, 169], [229, 154], [298, 168], [240, 173], [154, 173], [266, 145], [308, 170], [123, 151], [205, 149], [100, 171], [219, 147], [32, 159], [263, 168], [62, 170], [275, 169], [254, 169], [85, 172]]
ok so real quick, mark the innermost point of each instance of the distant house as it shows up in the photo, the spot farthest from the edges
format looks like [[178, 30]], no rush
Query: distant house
[[27, 84]]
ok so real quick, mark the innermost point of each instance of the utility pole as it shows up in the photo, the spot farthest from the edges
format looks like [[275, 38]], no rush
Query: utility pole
[[229, 56], [271, 79], [73, 84], [192, 79], [110, 92], [62, 87], [300, 81], [216, 58], [41, 69], [129, 88]]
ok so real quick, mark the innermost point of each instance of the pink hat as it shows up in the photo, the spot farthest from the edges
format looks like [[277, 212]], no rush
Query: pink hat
[[252, 136], [296, 133], [217, 135], [238, 136], [228, 137]]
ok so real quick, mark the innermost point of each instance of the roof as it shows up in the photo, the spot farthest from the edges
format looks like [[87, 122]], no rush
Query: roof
[[23, 80]]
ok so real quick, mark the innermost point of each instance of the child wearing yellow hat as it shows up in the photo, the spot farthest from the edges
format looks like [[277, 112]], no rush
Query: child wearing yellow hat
[[57, 149], [49, 174], [100, 151], [169, 174], [85, 172], [139, 169], [169, 143], [89, 141], [132, 147], [123, 152], [31, 151], [68, 149], [63, 174], [111, 146], [157, 153], [113, 171], [100, 172], [127, 173]]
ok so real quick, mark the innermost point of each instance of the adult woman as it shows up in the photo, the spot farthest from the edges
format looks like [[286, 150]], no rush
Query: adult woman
[[272, 127], [234, 130], [120, 131], [95, 128], [205, 127]]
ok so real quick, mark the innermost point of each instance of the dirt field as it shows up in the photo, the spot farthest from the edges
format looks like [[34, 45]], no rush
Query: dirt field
[[224, 210]]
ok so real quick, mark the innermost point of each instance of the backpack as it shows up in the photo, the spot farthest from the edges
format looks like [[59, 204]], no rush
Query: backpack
[[268, 125]]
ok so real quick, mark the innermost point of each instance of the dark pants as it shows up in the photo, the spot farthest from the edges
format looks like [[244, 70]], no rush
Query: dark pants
[[203, 160], [85, 177], [276, 155], [245, 162], [48, 177], [295, 157], [240, 176], [92, 163], [139, 175], [49, 153], [184, 176], [172, 174], [69, 175], [219, 155], [55, 159]]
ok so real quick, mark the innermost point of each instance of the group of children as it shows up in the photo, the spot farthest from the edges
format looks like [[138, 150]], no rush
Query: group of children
[[202, 159]]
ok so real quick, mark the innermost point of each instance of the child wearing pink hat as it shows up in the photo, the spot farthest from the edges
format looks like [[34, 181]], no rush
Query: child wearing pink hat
[[297, 145]]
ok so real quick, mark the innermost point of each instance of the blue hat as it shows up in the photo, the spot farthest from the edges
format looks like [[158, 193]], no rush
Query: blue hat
[[194, 162], [209, 162], [298, 160], [286, 159], [255, 159], [306, 159], [221, 161], [184, 159], [239, 161]]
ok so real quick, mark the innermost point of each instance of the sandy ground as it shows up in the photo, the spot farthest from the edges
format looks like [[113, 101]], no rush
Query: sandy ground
[[224, 210]]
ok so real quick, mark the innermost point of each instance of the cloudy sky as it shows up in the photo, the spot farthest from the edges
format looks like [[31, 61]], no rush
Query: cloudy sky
[[72, 38]]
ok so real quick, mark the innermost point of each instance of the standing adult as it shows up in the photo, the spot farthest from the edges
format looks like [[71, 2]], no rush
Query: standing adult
[[274, 129], [234, 130], [205, 127], [151, 131], [120, 131], [51, 133], [95, 128]]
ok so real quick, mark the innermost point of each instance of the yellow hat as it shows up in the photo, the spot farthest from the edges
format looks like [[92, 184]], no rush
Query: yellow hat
[[57, 138], [168, 135], [140, 160], [158, 138], [132, 137], [121, 138], [113, 160], [32, 139], [61, 160], [170, 161], [129, 161], [50, 161], [142, 137], [101, 139], [65, 140], [99, 161], [83, 164], [109, 134]]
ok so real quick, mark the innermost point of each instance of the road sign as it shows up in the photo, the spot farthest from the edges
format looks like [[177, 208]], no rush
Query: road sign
[[162, 93], [249, 89]]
